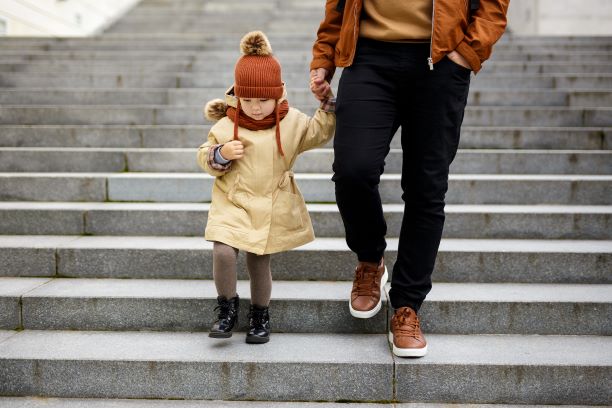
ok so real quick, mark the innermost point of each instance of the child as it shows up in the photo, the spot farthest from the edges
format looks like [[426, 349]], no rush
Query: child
[[256, 204]]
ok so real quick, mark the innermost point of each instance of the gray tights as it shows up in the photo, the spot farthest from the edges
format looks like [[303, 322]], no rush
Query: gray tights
[[224, 273]]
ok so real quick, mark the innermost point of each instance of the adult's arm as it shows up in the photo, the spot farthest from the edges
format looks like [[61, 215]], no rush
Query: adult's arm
[[328, 34], [486, 27]]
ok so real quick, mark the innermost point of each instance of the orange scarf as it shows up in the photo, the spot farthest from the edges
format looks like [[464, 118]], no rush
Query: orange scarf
[[273, 119]]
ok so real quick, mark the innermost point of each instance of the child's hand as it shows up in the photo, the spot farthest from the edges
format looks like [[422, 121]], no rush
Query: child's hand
[[232, 150], [318, 85]]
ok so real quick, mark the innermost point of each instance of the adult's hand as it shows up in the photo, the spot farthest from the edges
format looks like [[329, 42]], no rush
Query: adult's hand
[[458, 59], [318, 84]]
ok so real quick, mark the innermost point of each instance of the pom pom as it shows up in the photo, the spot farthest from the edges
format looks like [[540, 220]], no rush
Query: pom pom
[[215, 110], [255, 43]]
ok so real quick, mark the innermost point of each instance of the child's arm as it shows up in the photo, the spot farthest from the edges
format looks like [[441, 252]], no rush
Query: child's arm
[[210, 159], [321, 126]]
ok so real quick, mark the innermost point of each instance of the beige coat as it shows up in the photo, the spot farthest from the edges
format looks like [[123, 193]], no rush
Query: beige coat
[[256, 204]]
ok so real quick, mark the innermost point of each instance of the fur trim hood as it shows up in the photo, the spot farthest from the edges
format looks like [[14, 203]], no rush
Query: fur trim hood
[[215, 110]]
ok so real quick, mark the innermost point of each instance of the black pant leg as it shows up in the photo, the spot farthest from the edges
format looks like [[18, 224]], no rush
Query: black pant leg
[[366, 121], [431, 122]]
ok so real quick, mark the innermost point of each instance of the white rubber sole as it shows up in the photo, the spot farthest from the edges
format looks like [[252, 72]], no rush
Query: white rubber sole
[[370, 313], [407, 352]]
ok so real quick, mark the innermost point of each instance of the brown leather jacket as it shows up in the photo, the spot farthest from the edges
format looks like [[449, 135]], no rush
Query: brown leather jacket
[[452, 29]]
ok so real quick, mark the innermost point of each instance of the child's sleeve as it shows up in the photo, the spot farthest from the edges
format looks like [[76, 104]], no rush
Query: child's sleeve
[[206, 157], [321, 126]]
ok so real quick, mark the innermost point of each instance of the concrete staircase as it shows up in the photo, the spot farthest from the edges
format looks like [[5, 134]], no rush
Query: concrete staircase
[[106, 288]]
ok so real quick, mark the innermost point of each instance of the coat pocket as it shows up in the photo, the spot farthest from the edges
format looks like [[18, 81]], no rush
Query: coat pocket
[[286, 212], [287, 206]]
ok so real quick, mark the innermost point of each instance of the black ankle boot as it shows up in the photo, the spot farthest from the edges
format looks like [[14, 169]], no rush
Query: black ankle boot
[[259, 325], [228, 316]]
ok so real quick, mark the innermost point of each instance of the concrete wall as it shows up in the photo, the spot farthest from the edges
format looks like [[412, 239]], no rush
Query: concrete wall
[[560, 17], [59, 17]]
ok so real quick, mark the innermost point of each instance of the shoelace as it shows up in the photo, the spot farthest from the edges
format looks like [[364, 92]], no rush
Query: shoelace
[[403, 320], [257, 317], [365, 281], [224, 309]]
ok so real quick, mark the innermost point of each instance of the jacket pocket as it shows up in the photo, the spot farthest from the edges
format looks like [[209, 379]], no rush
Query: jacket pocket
[[286, 211], [458, 67], [287, 206]]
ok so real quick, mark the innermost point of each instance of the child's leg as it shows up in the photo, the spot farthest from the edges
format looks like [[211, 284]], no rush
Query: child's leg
[[260, 275], [224, 274], [261, 289], [224, 269]]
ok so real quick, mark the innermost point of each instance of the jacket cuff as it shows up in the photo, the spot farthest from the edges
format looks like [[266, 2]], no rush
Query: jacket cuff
[[328, 104], [212, 163], [470, 55], [219, 157]]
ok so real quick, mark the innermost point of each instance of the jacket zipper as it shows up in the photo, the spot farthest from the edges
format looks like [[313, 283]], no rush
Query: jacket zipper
[[433, 17], [355, 33]]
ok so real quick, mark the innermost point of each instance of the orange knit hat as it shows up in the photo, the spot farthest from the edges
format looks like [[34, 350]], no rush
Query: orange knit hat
[[257, 73]]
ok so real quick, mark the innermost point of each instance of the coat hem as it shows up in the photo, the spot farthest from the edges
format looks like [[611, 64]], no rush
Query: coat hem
[[239, 240]]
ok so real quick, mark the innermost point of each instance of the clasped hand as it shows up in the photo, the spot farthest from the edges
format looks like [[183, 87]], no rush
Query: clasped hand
[[318, 84]]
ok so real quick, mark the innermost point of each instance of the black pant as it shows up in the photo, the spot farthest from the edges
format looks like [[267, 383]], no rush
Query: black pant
[[390, 85]]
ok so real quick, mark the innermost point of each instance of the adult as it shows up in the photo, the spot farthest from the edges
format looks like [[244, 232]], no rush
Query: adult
[[408, 64]]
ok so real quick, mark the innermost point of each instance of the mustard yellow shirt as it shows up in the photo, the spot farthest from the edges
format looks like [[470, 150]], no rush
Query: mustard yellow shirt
[[396, 20]]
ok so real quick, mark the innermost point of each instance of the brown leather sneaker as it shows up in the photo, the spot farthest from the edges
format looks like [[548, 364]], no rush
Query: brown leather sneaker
[[406, 335], [370, 279]]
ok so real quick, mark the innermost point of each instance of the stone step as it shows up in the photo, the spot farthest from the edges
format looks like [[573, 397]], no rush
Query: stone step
[[89, 67], [459, 260], [231, 6], [297, 96], [283, 46], [213, 19], [278, 28], [218, 58], [187, 305], [302, 307], [211, 11], [204, 43], [458, 368], [187, 40], [511, 38], [507, 39], [292, 80], [202, 52], [260, 11], [550, 67], [36, 402], [188, 115], [196, 187], [289, 41], [159, 219], [213, 69], [190, 136], [479, 161]]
